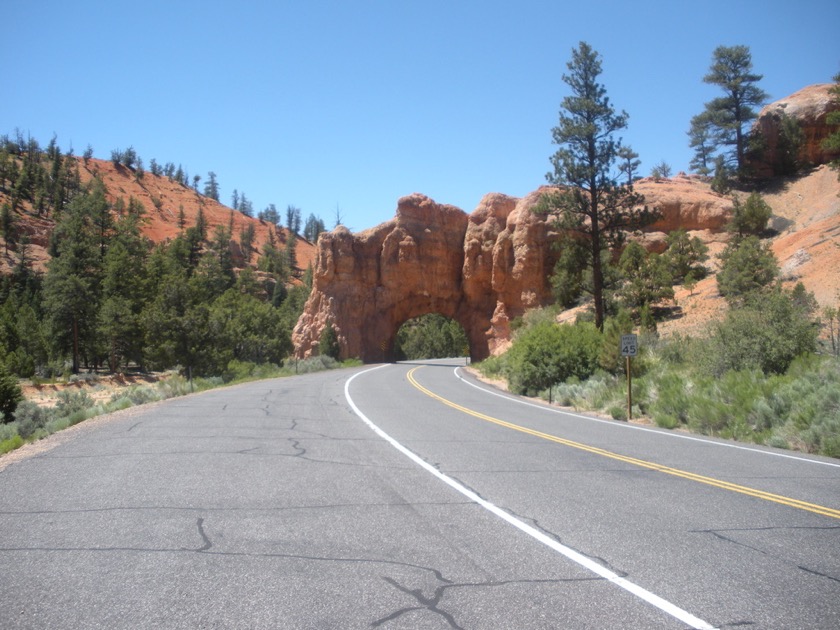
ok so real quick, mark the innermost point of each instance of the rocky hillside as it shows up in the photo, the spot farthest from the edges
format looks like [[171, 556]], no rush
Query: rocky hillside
[[806, 218], [486, 268], [163, 200]]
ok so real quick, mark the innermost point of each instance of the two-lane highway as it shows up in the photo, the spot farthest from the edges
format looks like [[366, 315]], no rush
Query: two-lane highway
[[410, 496], [730, 534]]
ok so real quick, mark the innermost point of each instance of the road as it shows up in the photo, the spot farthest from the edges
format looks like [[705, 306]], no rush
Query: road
[[410, 496]]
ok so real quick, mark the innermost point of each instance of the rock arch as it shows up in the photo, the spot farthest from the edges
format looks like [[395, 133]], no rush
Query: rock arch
[[481, 270]]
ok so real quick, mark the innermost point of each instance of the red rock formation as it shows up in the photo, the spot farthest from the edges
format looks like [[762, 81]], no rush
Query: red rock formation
[[809, 106], [686, 202], [482, 270]]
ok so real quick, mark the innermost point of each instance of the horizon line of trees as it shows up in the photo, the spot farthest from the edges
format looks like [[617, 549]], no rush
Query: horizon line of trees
[[111, 299], [48, 178]]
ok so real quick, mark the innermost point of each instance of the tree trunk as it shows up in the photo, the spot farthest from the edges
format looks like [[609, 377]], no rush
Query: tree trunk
[[75, 345]]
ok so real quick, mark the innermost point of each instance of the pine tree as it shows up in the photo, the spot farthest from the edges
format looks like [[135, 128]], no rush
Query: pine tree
[[124, 293], [246, 241], [832, 142], [750, 217], [10, 394], [8, 221], [702, 139], [594, 205], [731, 70], [211, 186], [72, 286], [629, 163], [313, 227]]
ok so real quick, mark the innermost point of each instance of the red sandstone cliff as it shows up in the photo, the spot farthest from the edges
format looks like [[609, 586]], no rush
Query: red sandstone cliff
[[482, 269], [810, 107]]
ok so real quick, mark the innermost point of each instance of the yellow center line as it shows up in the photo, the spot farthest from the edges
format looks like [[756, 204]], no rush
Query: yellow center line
[[710, 481]]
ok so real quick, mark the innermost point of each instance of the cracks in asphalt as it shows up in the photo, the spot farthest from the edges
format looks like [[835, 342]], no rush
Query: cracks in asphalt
[[432, 603], [207, 543], [818, 573], [719, 534], [168, 508]]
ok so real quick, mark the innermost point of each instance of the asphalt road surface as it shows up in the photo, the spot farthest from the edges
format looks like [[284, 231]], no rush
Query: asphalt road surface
[[409, 496]]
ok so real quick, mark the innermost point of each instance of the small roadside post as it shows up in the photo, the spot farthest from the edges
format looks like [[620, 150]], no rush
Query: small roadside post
[[629, 349]]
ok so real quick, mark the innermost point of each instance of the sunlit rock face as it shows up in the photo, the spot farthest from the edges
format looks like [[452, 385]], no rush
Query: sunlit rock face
[[482, 269], [810, 107]]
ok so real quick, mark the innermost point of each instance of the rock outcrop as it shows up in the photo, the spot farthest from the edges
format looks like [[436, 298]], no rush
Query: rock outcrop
[[482, 269], [810, 107], [479, 269]]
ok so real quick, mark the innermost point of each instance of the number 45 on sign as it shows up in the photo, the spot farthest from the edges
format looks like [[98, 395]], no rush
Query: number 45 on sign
[[629, 345]]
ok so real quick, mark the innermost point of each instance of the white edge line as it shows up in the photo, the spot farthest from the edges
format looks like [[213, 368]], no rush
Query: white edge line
[[625, 425], [642, 593]]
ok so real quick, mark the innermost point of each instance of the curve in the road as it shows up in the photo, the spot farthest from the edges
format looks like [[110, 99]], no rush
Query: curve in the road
[[655, 600], [710, 481]]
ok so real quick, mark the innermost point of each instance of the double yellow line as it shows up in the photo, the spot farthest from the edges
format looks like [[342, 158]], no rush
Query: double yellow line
[[709, 481]]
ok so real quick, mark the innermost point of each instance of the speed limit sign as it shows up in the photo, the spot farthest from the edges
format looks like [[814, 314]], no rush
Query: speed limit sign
[[629, 345]]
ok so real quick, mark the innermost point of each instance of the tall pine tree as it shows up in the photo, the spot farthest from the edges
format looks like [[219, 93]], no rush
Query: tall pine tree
[[590, 202], [731, 71]]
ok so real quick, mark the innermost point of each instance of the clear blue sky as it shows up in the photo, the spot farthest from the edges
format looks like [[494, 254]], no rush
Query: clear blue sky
[[353, 104]]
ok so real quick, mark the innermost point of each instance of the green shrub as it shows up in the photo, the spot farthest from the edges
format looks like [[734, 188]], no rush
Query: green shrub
[[491, 367], [767, 333], [618, 412], [316, 364], [595, 393], [31, 417], [328, 342], [672, 396], [10, 394], [750, 217], [137, 395], [545, 353], [747, 266], [71, 402], [6, 446]]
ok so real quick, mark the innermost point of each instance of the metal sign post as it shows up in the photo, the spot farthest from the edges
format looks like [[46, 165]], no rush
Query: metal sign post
[[629, 349]]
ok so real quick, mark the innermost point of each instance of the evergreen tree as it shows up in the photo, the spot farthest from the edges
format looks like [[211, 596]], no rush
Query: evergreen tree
[[661, 171], [629, 163], [721, 181], [747, 266], [832, 142], [291, 251], [313, 227], [568, 279], [270, 214], [8, 221], [73, 281], [293, 220], [124, 293], [731, 70], [750, 217], [10, 394], [246, 241], [685, 255], [703, 139], [647, 279], [594, 206], [788, 147], [328, 345], [211, 186], [245, 206]]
